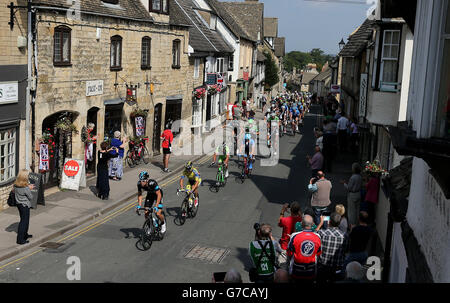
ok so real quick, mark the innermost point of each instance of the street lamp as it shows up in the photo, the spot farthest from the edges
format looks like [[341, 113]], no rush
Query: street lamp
[[341, 44]]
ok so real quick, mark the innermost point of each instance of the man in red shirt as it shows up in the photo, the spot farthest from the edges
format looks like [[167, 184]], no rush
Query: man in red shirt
[[167, 137], [288, 225], [304, 247]]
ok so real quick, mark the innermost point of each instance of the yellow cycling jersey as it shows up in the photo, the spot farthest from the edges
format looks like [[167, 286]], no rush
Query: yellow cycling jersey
[[192, 176]]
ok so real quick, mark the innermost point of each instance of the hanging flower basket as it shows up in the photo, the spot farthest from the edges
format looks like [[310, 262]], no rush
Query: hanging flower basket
[[199, 93], [138, 112], [86, 136], [214, 89], [375, 168], [64, 124]]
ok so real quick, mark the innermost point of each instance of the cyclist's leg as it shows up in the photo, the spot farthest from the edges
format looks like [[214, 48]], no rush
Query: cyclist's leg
[[149, 203]]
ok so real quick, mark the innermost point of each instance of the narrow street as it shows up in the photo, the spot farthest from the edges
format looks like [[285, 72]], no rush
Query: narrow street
[[224, 221]]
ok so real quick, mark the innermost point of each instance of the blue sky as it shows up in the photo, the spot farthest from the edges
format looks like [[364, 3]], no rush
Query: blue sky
[[313, 24]]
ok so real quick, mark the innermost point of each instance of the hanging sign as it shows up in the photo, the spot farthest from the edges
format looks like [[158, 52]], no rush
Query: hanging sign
[[335, 89], [9, 92], [73, 175], [140, 126], [94, 88], [211, 78], [44, 164], [363, 95]]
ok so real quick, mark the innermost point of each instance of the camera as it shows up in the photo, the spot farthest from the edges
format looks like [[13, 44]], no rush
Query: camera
[[257, 228], [314, 180]]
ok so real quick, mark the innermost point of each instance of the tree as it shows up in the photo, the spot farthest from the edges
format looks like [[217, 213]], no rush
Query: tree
[[271, 72], [299, 59]]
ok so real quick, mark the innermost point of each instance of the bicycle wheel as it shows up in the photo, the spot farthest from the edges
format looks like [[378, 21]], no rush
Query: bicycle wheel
[[145, 155], [194, 208], [184, 211], [224, 180], [130, 160], [146, 238]]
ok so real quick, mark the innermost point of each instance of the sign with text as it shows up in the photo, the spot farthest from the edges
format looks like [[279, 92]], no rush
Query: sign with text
[[9, 92], [245, 76], [38, 191], [94, 88], [43, 157], [363, 96], [140, 126], [335, 89], [73, 175], [211, 78]]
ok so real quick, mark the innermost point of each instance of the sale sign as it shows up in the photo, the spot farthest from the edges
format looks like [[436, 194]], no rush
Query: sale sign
[[74, 174], [71, 168]]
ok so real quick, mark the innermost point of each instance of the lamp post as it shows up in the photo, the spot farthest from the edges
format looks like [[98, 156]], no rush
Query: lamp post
[[341, 44]]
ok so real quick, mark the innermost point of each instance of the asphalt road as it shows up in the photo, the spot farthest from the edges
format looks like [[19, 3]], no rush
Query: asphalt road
[[107, 251]]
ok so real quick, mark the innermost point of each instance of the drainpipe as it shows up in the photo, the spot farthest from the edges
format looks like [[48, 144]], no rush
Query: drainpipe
[[28, 95]]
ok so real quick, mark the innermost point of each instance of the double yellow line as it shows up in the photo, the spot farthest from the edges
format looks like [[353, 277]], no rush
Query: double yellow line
[[100, 222]]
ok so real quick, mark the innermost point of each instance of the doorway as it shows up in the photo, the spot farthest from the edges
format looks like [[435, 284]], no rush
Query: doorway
[[113, 120], [208, 112], [91, 164], [173, 114], [157, 129]]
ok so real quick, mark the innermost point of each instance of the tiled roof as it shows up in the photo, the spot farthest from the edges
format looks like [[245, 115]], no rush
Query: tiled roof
[[228, 19], [308, 77], [177, 16], [201, 37], [323, 75], [131, 9], [280, 46], [270, 27], [358, 40]]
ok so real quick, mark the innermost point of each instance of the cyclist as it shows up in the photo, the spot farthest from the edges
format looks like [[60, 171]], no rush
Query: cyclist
[[224, 156], [295, 114], [276, 123], [154, 197], [248, 149], [284, 117], [193, 177]]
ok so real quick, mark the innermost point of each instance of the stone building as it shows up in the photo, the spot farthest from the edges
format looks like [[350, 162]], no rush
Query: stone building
[[13, 95], [102, 62]]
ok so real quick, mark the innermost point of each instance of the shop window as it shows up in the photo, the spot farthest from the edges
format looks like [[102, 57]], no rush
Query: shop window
[[61, 46], [7, 155], [116, 53], [176, 53], [146, 53]]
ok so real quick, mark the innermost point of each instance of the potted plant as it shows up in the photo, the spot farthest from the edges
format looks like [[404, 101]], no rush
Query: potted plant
[[199, 93], [374, 168], [64, 124], [138, 112]]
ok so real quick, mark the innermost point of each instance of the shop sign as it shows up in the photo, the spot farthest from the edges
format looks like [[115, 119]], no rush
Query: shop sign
[[9, 92], [245, 76], [94, 88], [140, 126], [335, 89], [74, 174], [211, 79], [43, 157]]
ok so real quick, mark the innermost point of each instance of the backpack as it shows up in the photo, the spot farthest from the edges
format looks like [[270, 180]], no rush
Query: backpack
[[12, 199]]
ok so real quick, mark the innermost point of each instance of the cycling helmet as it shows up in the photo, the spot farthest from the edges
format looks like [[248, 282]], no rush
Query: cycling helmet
[[248, 136], [144, 176], [188, 166]]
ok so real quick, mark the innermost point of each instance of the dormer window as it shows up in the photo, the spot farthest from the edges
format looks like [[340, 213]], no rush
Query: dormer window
[[159, 6], [213, 22], [111, 1]]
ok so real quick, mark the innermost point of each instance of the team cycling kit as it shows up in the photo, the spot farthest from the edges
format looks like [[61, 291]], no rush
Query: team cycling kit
[[151, 188], [193, 176]]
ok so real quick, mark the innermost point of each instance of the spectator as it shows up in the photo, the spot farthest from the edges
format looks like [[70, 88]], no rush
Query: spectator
[[263, 252], [288, 225], [354, 273], [281, 276], [331, 261], [263, 103], [316, 162], [319, 140], [304, 247], [104, 156], [22, 193], [354, 135], [244, 108], [320, 200], [371, 198], [237, 112], [342, 127], [232, 276], [116, 163], [353, 187], [230, 110], [167, 137], [343, 225], [359, 237]]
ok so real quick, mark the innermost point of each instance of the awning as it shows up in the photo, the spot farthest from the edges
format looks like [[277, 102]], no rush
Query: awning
[[113, 101]]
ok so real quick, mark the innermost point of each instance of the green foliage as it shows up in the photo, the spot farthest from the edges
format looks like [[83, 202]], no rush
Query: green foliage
[[299, 59], [271, 72]]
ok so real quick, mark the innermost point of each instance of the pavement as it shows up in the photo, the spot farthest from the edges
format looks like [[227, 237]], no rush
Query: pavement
[[215, 240]]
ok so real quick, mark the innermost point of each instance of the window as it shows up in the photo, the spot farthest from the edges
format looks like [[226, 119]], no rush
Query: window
[[61, 46], [145, 53], [7, 155], [231, 62], [213, 22], [443, 114], [159, 6], [389, 60], [196, 68], [197, 113], [116, 53], [219, 65], [176, 54]]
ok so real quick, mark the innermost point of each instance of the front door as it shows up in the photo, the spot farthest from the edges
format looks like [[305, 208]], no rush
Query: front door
[[208, 112], [157, 129]]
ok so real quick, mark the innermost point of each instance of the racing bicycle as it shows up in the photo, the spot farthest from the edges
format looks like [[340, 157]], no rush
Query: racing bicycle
[[221, 181], [188, 207], [137, 153], [245, 168], [151, 230]]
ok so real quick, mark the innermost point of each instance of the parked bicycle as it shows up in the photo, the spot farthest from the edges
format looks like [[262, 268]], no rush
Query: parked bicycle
[[189, 207], [221, 181], [137, 153], [151, 230]]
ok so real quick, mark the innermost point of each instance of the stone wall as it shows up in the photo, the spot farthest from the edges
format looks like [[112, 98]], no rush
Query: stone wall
[[10, 53]]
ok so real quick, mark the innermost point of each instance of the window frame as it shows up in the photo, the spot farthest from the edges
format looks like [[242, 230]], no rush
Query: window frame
[[177, 64], [10, 165], [118, 67], [231, 62], [149, 63], [211, 25], [160, 11], [197, 68], [60, 30], [394, 88]]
